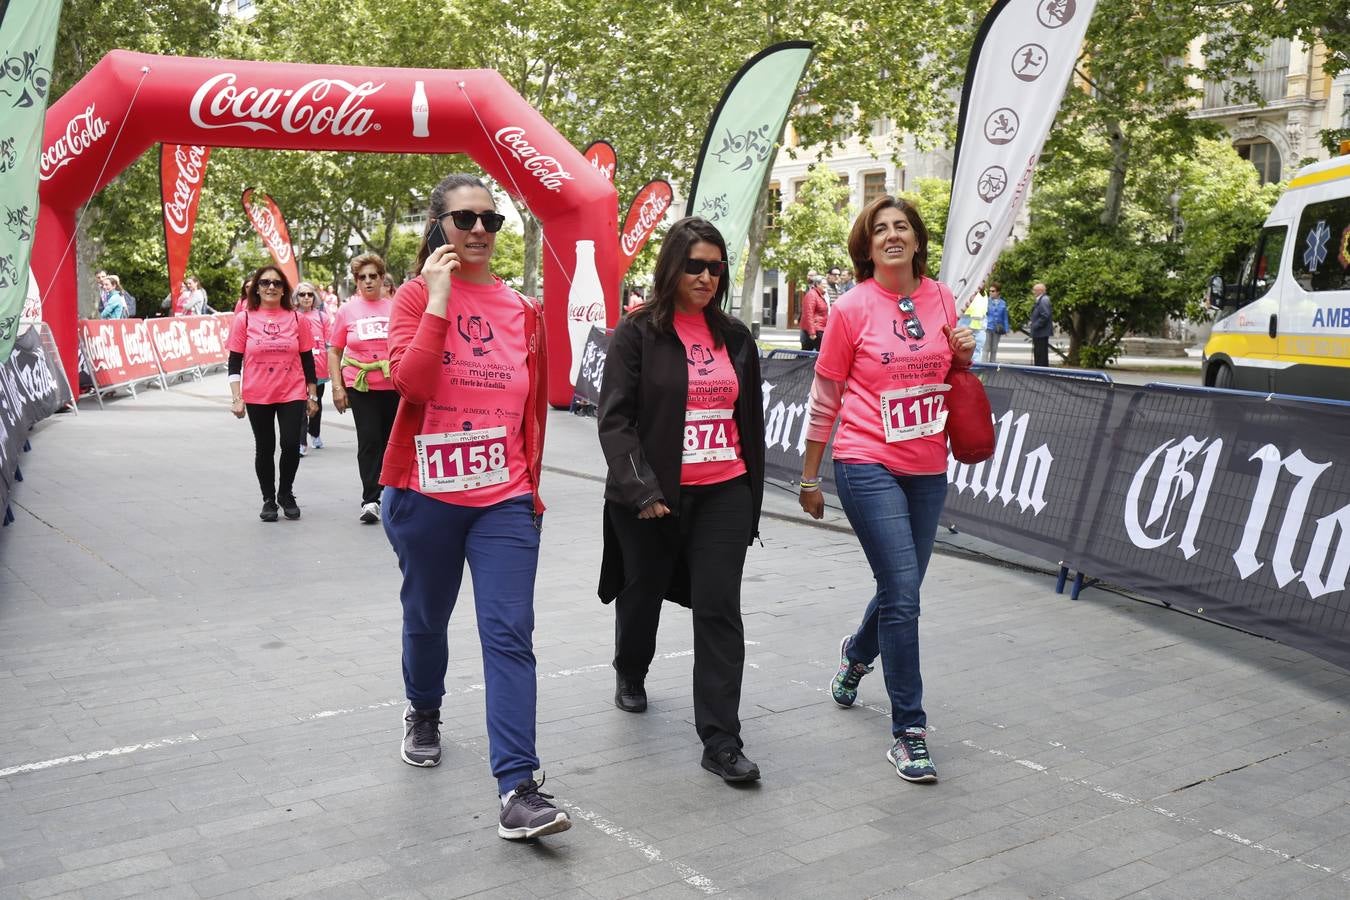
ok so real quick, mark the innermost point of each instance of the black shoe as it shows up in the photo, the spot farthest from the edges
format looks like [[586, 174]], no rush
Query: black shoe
[[269, 511], [288, 506], [731, 764], [629, 694]]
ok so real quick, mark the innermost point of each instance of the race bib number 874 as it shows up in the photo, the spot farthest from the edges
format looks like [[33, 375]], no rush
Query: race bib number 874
[[461, 460], [914, 412], [705, 436]]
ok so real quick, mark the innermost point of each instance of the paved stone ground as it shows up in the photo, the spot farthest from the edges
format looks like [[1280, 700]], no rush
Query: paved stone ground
[[195, 704]]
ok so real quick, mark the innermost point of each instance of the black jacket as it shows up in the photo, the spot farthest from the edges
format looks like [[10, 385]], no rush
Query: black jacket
[[642, 408]]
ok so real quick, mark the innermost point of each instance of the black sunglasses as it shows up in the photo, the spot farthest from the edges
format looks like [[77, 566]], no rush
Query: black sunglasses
[[305, 294], [913, 327], [369, 276], [270, 283], [464, 219], [714, 267]]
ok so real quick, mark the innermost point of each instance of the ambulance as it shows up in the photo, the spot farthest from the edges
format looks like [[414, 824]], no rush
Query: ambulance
[[1284, 328]]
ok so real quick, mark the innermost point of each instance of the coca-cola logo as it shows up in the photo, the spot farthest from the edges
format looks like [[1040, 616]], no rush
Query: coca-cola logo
[[265, 222], [206, 338], [190, 163], [103, 348], [649, 216], [546, 168], [321, 106], [591, 313], [138, 345], [81, 133], [172, 341]]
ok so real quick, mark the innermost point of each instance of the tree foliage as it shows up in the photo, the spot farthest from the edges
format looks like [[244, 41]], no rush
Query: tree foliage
[[812, 233]]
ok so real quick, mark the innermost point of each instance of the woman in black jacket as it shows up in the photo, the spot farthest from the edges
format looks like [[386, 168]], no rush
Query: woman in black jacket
[[682, 427]]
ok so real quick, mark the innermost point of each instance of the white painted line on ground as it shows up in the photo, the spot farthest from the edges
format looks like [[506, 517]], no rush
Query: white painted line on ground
[[687, 874], [1127, 800], [96, 754]]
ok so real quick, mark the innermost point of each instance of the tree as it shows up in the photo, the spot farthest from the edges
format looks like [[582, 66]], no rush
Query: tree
[[932, 198], [813, 230]]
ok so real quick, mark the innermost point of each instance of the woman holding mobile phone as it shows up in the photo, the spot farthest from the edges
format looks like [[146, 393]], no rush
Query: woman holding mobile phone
[[461, 478]]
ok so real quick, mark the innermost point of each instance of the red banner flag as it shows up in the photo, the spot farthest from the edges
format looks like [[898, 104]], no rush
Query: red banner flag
[[271, 227], [646, 212], [182, 171], [602, 158]]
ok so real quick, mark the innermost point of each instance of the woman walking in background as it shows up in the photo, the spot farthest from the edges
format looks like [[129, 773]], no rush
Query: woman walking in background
[[307, 301], [883, 367], [272, 381], [682, 427], [358, 358]]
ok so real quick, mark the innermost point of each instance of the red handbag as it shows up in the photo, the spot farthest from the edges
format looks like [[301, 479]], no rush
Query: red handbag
[[970, 420]]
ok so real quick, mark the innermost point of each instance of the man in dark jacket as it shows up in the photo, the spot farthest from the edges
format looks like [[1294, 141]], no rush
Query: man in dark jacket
[[1041, 326]]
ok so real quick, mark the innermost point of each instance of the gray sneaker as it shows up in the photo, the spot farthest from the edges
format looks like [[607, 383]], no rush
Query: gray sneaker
[[421, 737], [528, 813]]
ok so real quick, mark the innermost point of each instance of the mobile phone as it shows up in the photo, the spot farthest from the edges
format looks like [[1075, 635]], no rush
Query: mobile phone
[[435, 237]]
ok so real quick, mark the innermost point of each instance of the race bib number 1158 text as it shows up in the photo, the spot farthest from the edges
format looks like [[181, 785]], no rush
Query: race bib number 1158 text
[[461, 460]]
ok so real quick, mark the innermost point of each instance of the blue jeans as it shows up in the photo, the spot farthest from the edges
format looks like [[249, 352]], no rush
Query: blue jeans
[[501, 544], [895, 518]]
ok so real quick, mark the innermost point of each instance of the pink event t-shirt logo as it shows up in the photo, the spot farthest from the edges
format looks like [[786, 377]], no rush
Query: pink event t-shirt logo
[[649, 216], [188, 182], [266, 224], [306, 109], [81, 133], [546, 168]]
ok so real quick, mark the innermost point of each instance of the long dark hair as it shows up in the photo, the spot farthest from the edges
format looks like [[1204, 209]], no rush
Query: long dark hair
[[660, 307], [860, 236], [436, 207], [255, 296]]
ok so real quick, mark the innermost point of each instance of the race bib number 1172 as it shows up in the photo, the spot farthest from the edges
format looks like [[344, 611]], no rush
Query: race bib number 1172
[[914, 412]]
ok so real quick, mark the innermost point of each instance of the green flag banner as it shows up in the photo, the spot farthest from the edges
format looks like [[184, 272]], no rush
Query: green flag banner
[[742, 138], [27, 44]]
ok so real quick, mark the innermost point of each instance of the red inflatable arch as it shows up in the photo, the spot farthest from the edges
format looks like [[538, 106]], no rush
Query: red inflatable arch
[[130, 101]]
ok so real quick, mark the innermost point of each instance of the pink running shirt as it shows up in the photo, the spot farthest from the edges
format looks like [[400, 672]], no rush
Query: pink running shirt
[[712, 443], [321, 325], [271, 341], [893, 411], [361, 331], [470, 447]]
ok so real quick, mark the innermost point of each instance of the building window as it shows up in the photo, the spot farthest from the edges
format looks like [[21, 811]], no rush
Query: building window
[[772, 207], [1264, 156], [874, 186]]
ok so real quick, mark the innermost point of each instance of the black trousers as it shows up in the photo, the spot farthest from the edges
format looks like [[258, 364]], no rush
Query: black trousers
[[266, 419], [812, 343], [709, 537], [1040, 352], [314, 419], [373, 412]]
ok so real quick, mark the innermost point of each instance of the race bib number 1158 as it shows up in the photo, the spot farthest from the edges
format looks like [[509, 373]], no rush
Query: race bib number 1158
[[461, 460]]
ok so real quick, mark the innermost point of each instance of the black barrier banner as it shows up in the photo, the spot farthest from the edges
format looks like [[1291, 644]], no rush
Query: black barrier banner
[[592, 372], [1236, 506], [1232, 506], [787, 388], [30, 390]]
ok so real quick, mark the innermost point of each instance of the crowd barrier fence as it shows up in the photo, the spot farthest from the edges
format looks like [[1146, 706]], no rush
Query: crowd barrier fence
[[1230, 505]]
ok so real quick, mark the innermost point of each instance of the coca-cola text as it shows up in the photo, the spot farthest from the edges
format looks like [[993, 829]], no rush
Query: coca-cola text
[[546, 168], [309, 108], [81, 133], [190, 162]]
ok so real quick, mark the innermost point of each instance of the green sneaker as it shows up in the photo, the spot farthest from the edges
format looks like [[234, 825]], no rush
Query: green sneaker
[[844, 688], [909, 755]]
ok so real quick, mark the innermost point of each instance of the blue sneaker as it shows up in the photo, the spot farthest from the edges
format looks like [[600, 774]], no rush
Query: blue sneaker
[[317, 442], [909, 755], [844, 688]]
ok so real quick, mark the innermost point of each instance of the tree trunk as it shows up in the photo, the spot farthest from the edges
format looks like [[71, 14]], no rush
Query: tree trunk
[[750, 298], [1115, 186], [533, 242]]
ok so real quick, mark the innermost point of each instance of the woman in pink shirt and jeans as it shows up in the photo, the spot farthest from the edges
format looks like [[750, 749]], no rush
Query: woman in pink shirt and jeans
[[882, 369]]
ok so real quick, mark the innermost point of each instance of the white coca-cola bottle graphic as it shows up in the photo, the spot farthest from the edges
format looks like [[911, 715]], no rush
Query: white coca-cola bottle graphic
[[585, 304], [420, 110]]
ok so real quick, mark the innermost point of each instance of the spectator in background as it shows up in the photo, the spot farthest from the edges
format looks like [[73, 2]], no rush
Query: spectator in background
[[1041, 326], [974, 319], [195, 303], [114, 304], [815, 313], [635, 300], [101, 279], [389, 287], [320, 323], [330, 300], [995, 322], [243, 294], [834, 285]]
